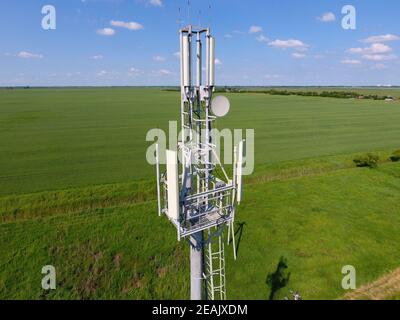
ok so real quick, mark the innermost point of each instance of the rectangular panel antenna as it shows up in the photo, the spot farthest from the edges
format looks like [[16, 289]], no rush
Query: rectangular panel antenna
[[172, 185], [186, 63], [211, 80]]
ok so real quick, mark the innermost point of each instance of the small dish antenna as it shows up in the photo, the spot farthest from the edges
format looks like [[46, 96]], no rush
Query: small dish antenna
[[220, 106]]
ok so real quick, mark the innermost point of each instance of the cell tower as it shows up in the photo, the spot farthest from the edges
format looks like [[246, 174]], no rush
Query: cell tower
[[195, 192]]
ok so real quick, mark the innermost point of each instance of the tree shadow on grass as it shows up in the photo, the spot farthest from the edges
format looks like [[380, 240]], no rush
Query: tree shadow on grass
[[278, 279]]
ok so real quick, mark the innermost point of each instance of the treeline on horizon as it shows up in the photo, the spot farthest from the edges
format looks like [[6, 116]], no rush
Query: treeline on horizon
[[285, 92], [326, 94]]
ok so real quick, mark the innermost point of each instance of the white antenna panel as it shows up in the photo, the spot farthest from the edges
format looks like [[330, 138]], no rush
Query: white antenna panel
[[172, 185], [220, 106], [181, 60], [211, 75], [185, 51], [239, 172]]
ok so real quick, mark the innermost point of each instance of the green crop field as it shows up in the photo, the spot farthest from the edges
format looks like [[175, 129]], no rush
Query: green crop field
[[76, 192], [60, 138]]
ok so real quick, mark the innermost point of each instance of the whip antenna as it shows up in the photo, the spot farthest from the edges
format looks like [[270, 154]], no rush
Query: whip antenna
[[188, 12], [199, 18], [209, 14], [178, 21]]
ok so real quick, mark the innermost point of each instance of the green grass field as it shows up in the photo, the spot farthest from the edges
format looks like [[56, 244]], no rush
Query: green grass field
[[60, 138], [76, 192]]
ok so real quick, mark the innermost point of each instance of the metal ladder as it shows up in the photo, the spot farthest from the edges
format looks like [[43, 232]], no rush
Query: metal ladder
[[215, 270]]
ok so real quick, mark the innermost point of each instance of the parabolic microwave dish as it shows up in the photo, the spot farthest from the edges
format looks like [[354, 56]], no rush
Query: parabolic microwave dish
[[220, 106]]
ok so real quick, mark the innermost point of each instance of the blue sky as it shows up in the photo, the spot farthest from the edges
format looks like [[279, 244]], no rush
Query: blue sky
[[259, 42]]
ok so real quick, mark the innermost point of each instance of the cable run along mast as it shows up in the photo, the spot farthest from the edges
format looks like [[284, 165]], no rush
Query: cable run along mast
[[196, 193]]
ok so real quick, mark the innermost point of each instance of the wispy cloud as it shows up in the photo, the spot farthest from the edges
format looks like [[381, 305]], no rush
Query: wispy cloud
[[159, 58], [298, 55], [97, 57], [127, 25], [375, 52], [108, 74], [156, 3], [255, 29], [164, 72], [262, 38], [382, 38], [379, 66], [29, 55], [379, 57], [133, 72], [373, 49], [218, 62], [289, 44], [351, 61], [102, 73], [272, 76], [106, 32], [327, 17]]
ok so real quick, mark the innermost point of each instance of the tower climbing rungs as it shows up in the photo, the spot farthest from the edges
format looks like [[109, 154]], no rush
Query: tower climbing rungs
[[215, 271]]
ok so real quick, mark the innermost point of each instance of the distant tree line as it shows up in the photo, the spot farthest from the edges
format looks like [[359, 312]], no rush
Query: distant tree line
[[328, 94], [285, 92]]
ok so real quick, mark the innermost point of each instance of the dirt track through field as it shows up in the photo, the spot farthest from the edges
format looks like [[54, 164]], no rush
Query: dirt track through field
[[385, 287]]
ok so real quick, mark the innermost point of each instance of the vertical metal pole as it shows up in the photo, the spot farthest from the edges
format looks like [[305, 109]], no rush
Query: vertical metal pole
[[198, 84], [196, 266], [210, 271], [196, 240], [158, 179], [183, 94]]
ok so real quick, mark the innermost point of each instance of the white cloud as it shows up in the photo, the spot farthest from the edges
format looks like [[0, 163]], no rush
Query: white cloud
[[327, 17], [102, 73], [134, 72], [127, 25], [262, 38], [351, 61], [289, 44], [272, 76], [106, 32], [228, 36], [379, 57], [177, 54], [29, 55], [375, 52], [218, 62], [382, 38], [98, 57], [165, 72], [156, 3], [379, 66], [298, 55], [375, 48], [255, 29], [159, 58]]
